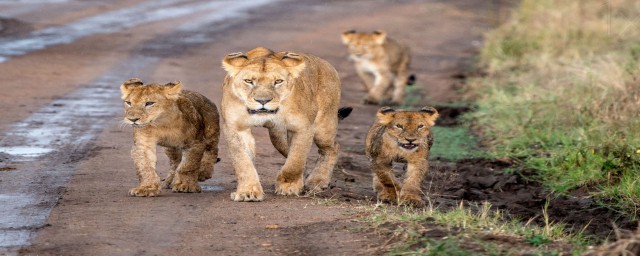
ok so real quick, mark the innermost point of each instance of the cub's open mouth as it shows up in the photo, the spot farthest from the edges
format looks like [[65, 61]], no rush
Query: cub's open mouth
[[408, 145], [262, 111]]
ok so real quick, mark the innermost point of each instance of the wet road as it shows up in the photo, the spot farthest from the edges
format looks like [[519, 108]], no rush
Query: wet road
[[64, 156]]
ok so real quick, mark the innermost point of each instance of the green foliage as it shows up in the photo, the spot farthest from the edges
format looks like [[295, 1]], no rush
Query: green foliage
[[562, 93], [454, 143]]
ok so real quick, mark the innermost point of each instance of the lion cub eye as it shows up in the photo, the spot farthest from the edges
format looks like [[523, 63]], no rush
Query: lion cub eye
[[421, 126], [278, 81], [128, 103], [248, 81], [399, 126], [149, 103]]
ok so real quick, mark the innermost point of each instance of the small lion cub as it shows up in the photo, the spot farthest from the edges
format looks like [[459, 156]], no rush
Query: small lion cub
[[380, 62], [400, 135], [185, 123]]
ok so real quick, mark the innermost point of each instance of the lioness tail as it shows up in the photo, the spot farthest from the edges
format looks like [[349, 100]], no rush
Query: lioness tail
[[344, 112]]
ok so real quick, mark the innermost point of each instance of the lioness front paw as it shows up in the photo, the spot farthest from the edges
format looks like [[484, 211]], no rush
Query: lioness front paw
[[292, 188], [204, 175], [412, 199], [251, 194], [147, 190], [184, 186]]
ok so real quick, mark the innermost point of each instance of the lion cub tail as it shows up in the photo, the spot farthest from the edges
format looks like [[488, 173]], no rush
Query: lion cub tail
[[344, 112], [411, 80]]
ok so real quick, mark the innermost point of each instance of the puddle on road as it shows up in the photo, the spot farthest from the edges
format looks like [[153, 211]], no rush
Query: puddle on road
[[211, 188], [28, 152], [110, 22]]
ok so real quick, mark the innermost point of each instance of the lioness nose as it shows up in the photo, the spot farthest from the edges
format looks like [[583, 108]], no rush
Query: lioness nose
[[133, 119], [262, 100]]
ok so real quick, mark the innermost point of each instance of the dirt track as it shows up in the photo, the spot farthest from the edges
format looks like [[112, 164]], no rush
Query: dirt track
[[95, 216]]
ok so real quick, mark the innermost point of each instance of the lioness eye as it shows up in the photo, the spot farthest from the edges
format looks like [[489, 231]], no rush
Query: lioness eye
[[128, 103], [149, 103], [249, 81], [420, 126], [279, 81], [399, 126]]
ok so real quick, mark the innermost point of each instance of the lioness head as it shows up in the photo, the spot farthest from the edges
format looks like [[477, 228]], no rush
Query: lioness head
[[262, 79], [408, 128], [362, 45], [144, 104]]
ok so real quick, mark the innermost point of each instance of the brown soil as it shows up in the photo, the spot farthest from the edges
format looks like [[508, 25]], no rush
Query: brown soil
[[95, 216]]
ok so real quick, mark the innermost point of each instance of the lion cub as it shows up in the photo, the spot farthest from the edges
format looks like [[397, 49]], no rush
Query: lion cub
[[380, 62], [185, 123], [400, 135]]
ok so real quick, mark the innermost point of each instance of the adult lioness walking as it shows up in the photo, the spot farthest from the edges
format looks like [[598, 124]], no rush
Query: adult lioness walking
[[295, 96]]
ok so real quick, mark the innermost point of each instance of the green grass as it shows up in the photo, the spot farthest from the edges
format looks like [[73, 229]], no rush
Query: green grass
[[469, 230], [562, 93], [454, 143]]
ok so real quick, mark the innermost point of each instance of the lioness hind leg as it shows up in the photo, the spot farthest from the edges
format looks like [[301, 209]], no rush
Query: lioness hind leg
[[187, 172], [290, 179], [279, 138], [174, 160], [328, 149]]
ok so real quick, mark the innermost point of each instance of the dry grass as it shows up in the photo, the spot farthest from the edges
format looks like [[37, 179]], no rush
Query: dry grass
[[626, 244]]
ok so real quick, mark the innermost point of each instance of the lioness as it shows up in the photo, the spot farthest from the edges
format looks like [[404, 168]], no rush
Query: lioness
[[380, 61], [296, 97], [400, 135], [185, 123]]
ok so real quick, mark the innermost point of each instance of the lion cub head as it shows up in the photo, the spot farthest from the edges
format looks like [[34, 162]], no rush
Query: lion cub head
[[262, 79], [145, 104], [364, 45], [409, 129]]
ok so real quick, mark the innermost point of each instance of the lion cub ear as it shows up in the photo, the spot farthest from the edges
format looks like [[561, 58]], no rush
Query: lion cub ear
[[293, 62], [233, 62], [430, 115], [125, 88], [379, 36], [385, 115], [347, 36], [173, 89]]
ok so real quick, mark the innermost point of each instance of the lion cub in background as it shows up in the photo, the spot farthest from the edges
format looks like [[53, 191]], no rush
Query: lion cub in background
[[400, 135], [185, 123], [380, 62]]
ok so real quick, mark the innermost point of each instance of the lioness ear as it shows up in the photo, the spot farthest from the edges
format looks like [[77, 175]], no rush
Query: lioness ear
[[294, 63], [380, 36], [173, 89], [385, 115], [347, 35], [430, 115], [127, 85], [233, 62]]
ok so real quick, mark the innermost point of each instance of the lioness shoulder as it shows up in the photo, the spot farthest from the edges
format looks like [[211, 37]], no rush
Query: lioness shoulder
[[400, 135]]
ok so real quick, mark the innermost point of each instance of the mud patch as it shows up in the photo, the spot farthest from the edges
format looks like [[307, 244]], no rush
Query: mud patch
[[14, 27], [449, 115]]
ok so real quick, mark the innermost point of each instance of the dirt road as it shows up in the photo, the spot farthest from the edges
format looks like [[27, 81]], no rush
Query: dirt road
[[64, 157]]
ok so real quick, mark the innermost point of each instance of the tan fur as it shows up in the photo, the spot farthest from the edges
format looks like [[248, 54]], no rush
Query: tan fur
[[305, 91], [185, 123], [391, 129], [380, 62]]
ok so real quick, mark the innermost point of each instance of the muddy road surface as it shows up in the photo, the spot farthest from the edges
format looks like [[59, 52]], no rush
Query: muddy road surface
[[64, 156]]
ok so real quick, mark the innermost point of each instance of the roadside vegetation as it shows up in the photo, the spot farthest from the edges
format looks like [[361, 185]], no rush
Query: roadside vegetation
[[561, 94]]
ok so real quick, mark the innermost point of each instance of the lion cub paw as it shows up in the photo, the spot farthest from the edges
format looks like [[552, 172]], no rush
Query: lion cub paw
[[412, 199], [186, 187], [254, 194], [289, 188], [388, 196], [147, 190]]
